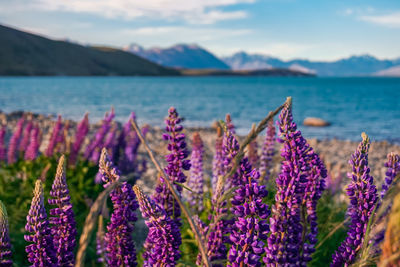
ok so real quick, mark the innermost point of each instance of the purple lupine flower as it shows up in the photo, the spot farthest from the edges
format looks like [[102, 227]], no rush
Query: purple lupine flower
[[220, 226], [196, 179], [5, 244], [54, 137], [363, 197], [3, 150], [177, 162], [62, 139], [230, 148], [250, 228], [316, 174], [121, 143], [41, 252], [63, 227], [268, 151], [25, 137], [93, 150], [34, 144], [393, 169], [82, 130], [120, 247], [14, 141], [164, 238], [299, 186], [218, 161]]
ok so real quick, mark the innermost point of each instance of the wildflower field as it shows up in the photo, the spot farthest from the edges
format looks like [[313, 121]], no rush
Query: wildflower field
[[76, 202]]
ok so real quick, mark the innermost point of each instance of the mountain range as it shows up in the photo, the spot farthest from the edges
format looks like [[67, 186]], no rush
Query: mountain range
[[185, 56], [196, 57], [22, 53], [363, 65]]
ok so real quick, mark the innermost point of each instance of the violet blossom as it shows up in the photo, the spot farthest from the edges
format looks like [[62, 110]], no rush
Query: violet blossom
[[3, 150], [120, 247], [82, 130], [363, 197], [5, 243], [164, 238], [177, 163], [196, 179], [14, 141], [34, 144], [218, 161], [54, 137], [63, 220], [41, 252]]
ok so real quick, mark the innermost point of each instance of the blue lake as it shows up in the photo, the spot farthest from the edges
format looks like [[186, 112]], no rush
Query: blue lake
[[352, 105]]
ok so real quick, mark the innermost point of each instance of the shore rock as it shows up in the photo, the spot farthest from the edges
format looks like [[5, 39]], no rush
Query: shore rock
[[315, 122]]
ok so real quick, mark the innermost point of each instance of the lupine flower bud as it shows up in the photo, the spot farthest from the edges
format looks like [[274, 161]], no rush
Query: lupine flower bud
[[63, 222], [268, 151], [363, 197], [34, 144], [229, 124], [120, 247], [5, 244], [250, 228], [82, 130], [41, 252], [177, 163], [163, 240], [299, 186], [196, 179], [26, 137], [14, 141], [218, 162], [3, 150], [54, 137], [92, 151]]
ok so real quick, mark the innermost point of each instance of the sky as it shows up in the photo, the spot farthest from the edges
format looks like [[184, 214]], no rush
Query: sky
[[312, 29]]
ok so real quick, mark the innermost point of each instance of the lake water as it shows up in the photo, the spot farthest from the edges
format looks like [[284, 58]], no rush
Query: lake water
[[352, 105]]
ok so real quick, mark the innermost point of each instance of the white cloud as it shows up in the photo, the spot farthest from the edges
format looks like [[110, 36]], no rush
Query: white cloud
[[192, 11], [182, 34], [389, 20]]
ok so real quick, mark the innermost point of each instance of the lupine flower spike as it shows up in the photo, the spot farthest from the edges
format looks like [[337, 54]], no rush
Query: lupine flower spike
[[120, 247], [82, 130], [363, 197], [5, 244], [41, 252], [251, 227], [92, 151], [196, 179], [177, 163], [62, 220], [34, 143], [267, 153], [299, 186], [14, 141], [54, 137], [220, 226], [3, 150], [26, 137], [163, 240], [218, 161]]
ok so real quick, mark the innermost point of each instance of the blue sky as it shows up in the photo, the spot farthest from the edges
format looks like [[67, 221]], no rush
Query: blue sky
[[318, 30]]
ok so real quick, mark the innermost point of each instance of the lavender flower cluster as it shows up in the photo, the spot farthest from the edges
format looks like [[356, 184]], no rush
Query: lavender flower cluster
[[237, 227]]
